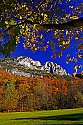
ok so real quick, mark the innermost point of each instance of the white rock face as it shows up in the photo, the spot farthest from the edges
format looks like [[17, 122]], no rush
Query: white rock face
[[53, 68], [36, 63], [28, 62], [25, 66]]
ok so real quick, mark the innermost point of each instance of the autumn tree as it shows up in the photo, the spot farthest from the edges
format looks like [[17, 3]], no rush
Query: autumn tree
[[10, 97], [19, 93], [32, 20]]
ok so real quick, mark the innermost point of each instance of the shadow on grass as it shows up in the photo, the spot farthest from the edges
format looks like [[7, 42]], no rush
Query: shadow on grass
[[70, 117]]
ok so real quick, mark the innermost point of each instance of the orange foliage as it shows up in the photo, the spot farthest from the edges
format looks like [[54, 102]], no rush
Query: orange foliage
[[36, 89]]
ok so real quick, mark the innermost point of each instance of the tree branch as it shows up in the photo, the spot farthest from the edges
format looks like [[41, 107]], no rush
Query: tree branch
[[76, 23]]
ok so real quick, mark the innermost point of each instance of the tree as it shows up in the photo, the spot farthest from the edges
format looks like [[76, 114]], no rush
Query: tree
[[10, 97], [32, 20]]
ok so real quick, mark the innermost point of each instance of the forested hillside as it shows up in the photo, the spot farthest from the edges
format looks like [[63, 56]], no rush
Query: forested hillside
[[19, 93]]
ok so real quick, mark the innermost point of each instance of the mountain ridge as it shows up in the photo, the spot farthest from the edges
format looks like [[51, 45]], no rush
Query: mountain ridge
[[26, 66]]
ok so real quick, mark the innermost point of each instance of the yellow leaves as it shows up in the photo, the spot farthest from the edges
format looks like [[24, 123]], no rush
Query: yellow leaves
[[34, 27], [43, 48], [6, 22], [75, 66], [41, 36], [23, 5], [17, 40], [82, 72], [21, 31], [68, 15], [64, 42], [23, 27], [55, 33], [81, 28], [34, 48], [67, 32], [26, 8], [74, 17], [27, 44], [20, 17], [73, 59], [37, 27], [76, 38], [56, 21], [64, 18], [79, 56], [12, 22], [45, 17], [67, 62]]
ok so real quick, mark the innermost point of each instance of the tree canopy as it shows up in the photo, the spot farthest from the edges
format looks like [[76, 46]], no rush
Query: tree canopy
[[32, 19]]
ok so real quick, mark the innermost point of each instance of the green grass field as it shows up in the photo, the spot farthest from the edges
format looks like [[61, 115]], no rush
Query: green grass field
[[51, 117]]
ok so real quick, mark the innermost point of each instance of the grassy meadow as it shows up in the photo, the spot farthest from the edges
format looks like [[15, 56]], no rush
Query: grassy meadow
[[50, 117]]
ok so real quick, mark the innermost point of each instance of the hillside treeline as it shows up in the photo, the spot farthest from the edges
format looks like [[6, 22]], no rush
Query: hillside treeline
[[19, 93]]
